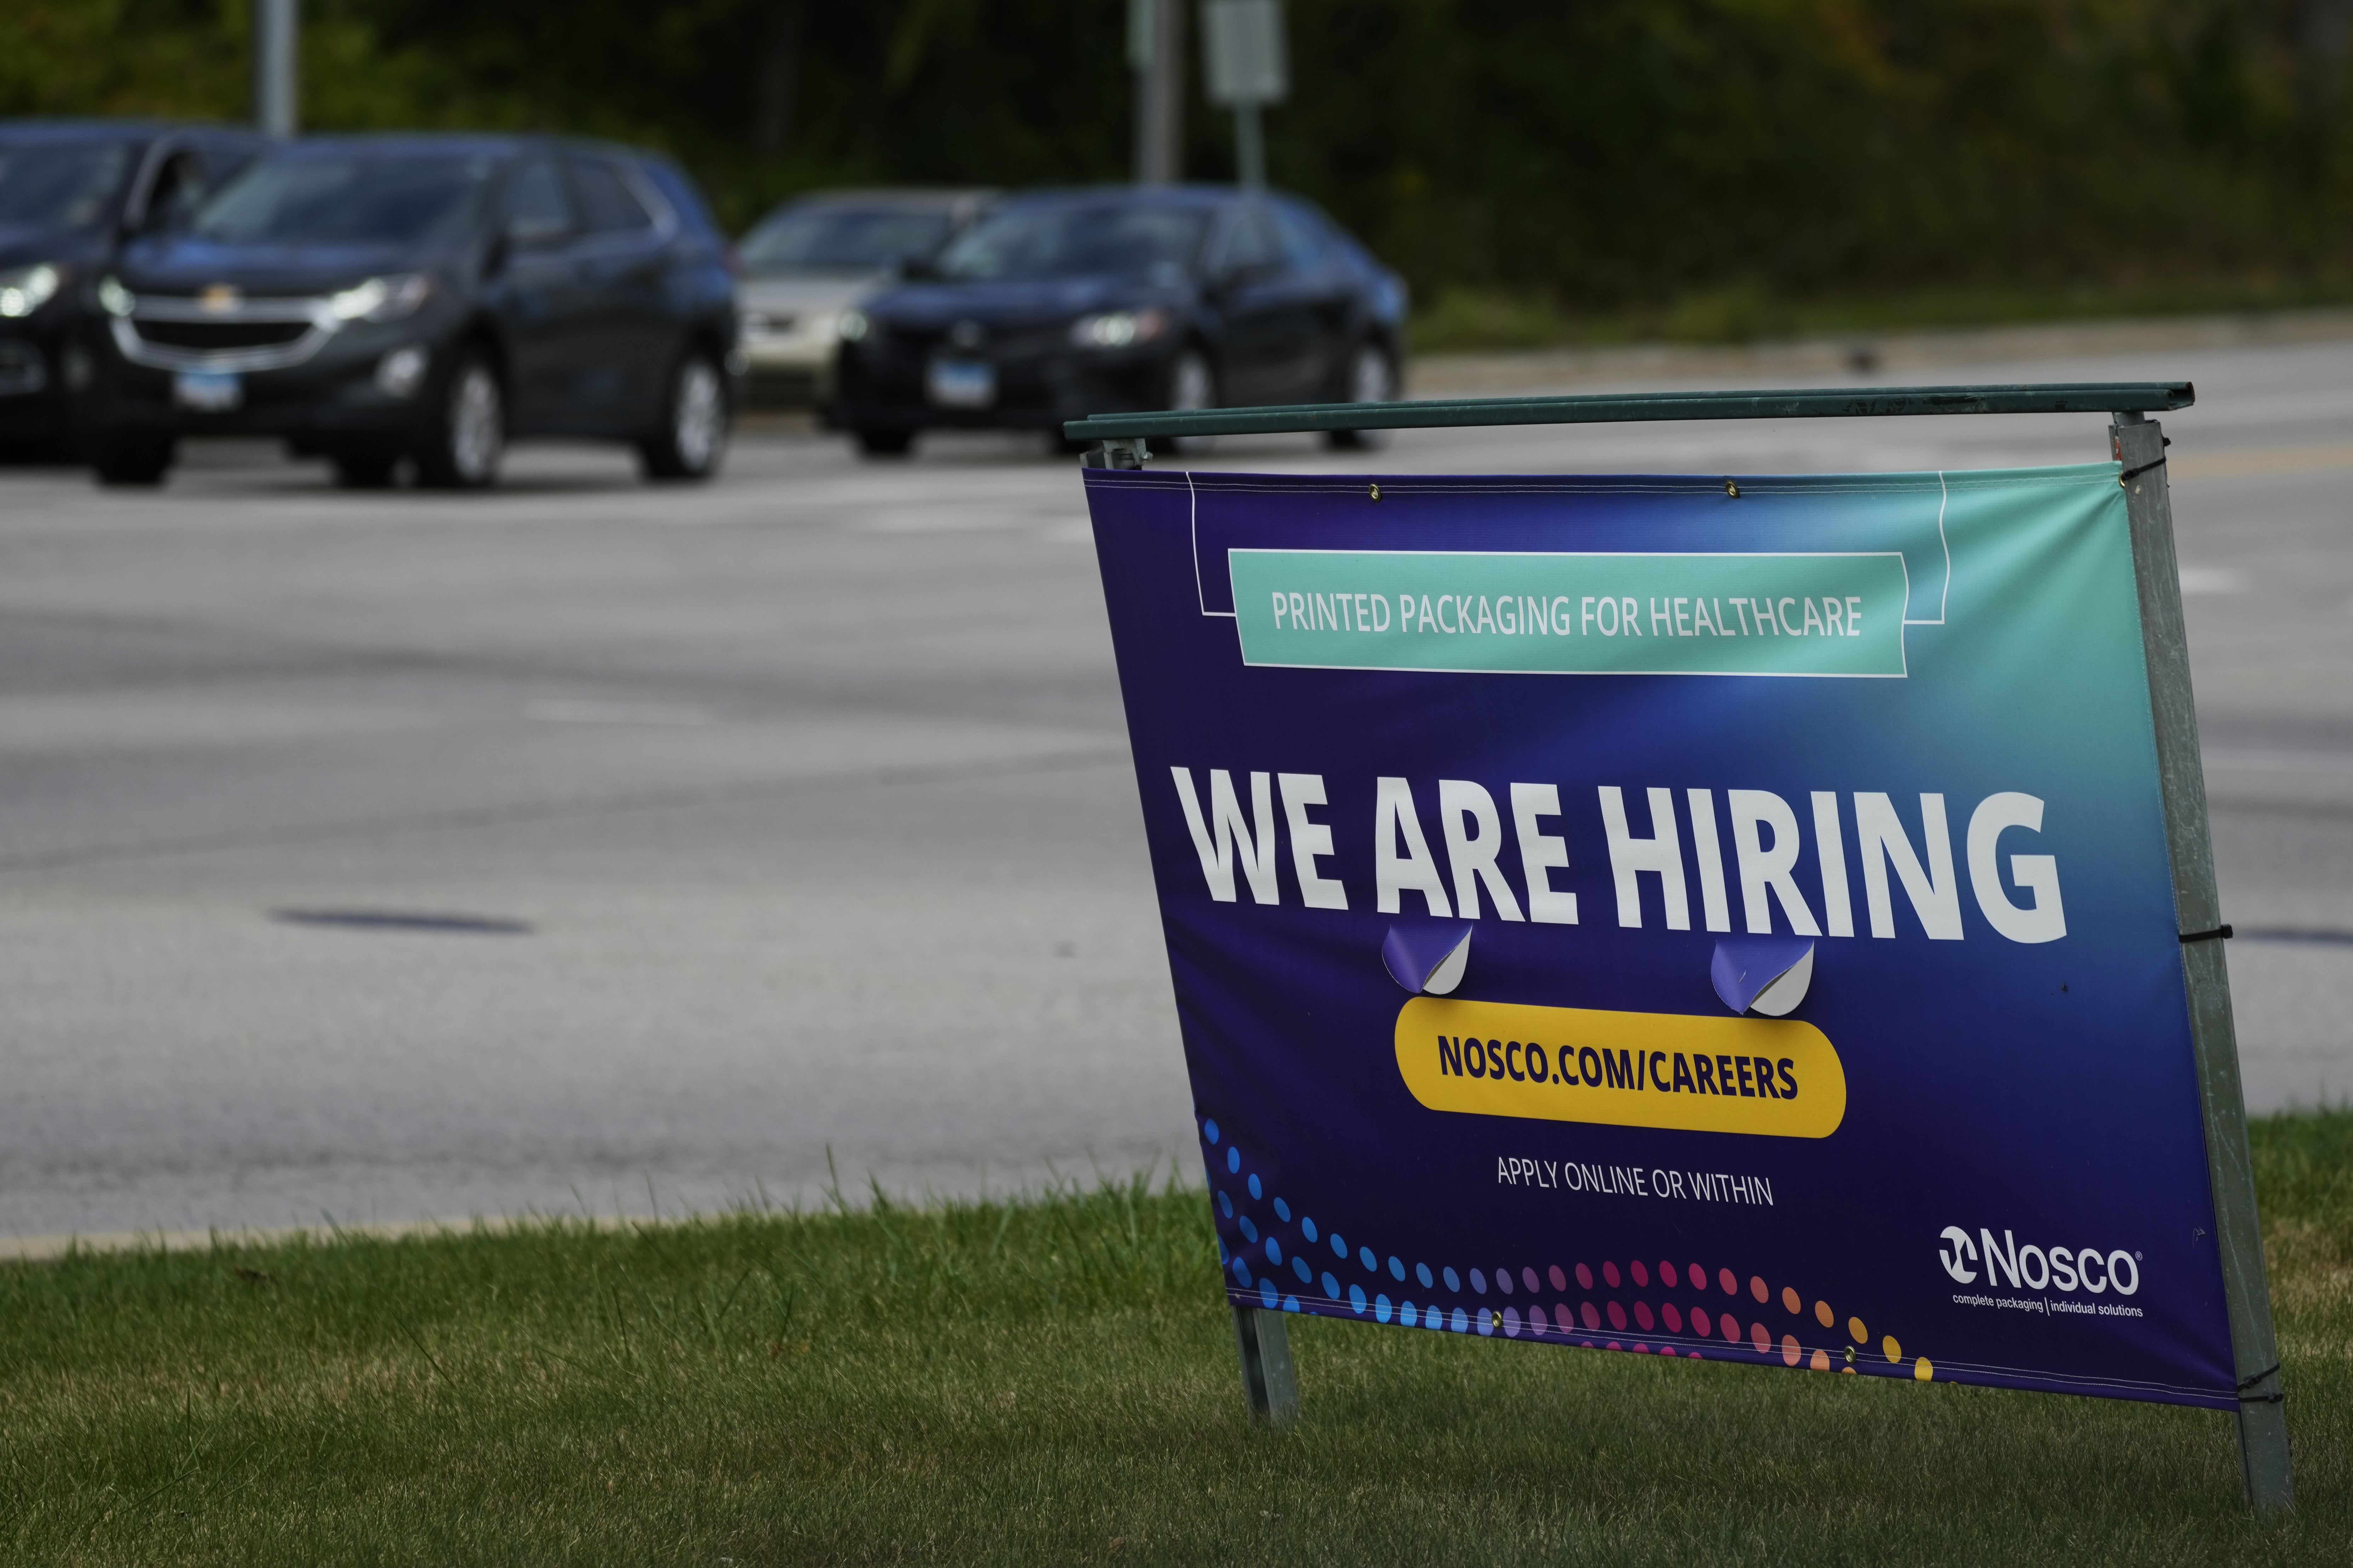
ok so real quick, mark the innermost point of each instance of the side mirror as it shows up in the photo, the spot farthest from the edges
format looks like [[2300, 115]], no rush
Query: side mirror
[[167, 209], [524, 233], [914, 269]]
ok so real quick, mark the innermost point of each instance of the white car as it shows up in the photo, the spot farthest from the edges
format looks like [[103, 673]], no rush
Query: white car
[[812, 260]]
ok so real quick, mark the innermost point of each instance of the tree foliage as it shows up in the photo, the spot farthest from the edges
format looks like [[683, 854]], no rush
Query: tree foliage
[[1607, 152]]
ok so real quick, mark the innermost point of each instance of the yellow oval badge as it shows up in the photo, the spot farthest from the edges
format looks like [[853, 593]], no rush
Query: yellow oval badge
[[1773, 1076]]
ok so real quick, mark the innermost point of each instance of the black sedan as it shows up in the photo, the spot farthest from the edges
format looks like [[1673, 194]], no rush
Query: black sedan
[[1062, 304], [422, 299], [71, 192]]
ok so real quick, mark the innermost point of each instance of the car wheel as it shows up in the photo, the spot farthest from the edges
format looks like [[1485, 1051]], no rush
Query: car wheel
[[468, 435], [133, 460], [362, 470], [1371, 378], [694, 424], [1192, 384], [874, 442]]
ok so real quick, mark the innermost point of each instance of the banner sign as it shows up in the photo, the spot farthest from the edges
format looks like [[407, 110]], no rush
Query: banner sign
[[1677, 916]]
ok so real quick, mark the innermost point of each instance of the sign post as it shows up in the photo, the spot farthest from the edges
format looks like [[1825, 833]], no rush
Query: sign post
[[1248, 69], [2138, 445], [1753, 918]]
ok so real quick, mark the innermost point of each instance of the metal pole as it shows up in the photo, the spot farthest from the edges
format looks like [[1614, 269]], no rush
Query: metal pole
[[1268, 1381], [274, 23], [2139, 444], [1250, 147], [1161, 151], [1610, 408], [1142, 39]]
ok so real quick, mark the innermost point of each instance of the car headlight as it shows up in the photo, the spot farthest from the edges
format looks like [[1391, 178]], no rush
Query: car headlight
[[1118, 329], [851, 327], [25, 290], [381, 299], [115, 298]]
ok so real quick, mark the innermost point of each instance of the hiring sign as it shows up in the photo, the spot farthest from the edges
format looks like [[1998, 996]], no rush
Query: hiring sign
[[1692, 918]]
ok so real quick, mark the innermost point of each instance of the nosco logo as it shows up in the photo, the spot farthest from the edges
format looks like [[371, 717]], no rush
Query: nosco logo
[[2084, 1269]]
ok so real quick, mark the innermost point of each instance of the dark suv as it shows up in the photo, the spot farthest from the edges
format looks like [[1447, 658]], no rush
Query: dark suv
[[426, 298], [71, 192]]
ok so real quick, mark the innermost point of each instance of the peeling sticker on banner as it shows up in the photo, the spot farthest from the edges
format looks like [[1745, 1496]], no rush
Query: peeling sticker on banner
[[1427, 961], [1767, 975], [1778, 1076]]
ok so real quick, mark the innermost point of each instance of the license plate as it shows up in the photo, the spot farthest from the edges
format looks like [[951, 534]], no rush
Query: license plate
[[961, 383], [207, 391]]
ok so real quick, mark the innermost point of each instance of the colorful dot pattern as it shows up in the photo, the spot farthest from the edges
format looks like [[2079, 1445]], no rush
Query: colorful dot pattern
[[1665, 1308]]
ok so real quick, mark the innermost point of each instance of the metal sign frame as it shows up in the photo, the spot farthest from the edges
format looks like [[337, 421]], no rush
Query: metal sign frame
[[2136, 444]]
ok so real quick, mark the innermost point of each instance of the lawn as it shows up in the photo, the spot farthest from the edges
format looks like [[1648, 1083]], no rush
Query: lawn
[[1475, 320], [1047, 1381]]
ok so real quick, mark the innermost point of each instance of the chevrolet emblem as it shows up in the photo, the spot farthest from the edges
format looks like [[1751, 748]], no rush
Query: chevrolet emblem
[[218, 298]]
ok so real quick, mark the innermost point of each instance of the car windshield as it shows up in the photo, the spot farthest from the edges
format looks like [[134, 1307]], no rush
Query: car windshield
[[348, 199], [59, 185], [1064, 241], [841, 239]]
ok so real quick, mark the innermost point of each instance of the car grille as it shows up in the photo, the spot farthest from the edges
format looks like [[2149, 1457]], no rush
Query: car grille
[[1004, 343], [1031, 343], [219, 335], [22, 369]]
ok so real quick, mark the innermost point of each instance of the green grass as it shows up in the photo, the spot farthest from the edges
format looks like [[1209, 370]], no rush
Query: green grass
[[1050, 1381], [1466, 320]]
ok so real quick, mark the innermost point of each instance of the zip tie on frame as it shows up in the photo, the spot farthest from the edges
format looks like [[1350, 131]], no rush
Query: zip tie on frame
[[2246, 1383], [2131, 473], [2220, 933]]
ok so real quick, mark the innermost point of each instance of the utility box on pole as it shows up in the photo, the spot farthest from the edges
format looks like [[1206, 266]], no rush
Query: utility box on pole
[[276, 30], [1242, 40]]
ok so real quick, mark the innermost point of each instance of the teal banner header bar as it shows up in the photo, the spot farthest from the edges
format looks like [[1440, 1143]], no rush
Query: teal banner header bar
[[1647, 614]]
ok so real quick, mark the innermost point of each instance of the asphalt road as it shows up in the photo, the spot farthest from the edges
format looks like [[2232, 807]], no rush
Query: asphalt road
[[591, 845]]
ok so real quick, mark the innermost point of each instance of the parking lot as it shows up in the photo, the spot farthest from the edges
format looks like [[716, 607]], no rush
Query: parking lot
[[587, 845]]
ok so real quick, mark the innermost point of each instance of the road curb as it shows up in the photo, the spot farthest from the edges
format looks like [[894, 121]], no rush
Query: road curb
[[48, 1249], [1893, 355]]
